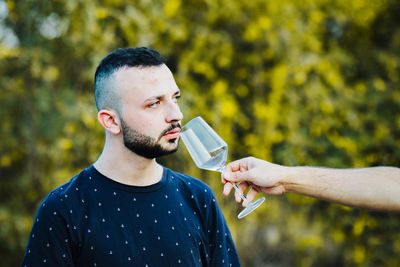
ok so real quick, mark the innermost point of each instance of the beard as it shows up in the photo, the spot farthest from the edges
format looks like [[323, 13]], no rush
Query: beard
[[147, 146]]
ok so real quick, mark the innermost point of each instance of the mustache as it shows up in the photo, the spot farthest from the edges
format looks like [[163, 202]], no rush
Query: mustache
[[170, 128]]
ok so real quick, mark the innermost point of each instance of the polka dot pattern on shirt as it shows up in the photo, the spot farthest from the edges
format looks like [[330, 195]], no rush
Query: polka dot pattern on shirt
[[116, 225]]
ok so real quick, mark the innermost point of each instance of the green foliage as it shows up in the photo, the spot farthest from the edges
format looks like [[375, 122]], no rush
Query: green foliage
[[293, 82]]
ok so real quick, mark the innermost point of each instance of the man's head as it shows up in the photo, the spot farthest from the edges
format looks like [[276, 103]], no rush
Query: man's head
[[136, 96], [105, 95]]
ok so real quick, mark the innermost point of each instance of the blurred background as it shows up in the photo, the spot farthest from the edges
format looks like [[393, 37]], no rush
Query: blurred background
[[312, 82]]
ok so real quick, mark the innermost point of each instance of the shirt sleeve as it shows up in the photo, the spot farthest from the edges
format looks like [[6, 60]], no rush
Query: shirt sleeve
[[49, 243], [222, 248]]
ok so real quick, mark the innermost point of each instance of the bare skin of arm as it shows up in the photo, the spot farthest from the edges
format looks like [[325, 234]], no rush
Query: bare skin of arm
[[375, 188]]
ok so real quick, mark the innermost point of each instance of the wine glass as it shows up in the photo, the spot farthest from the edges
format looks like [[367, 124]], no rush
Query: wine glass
[[210, 152]]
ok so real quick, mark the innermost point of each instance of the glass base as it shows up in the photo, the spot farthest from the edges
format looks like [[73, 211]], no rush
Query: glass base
[[250, 207]]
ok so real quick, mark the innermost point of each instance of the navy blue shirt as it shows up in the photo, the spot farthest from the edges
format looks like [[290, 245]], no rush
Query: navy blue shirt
[[95, 221]]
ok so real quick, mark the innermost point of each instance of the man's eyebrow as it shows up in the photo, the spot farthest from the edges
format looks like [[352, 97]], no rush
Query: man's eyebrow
[[158, 97]]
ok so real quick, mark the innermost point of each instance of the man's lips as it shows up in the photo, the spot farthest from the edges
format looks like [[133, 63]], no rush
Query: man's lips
[[173, 133]]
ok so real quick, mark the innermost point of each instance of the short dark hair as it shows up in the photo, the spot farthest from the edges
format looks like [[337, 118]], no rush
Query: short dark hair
[[104, 94]]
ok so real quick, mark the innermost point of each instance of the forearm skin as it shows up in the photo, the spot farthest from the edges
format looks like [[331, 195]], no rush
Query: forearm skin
[[376, 188]]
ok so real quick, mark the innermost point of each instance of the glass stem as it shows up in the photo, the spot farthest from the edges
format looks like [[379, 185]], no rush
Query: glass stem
[[242, 196], [240, 191]]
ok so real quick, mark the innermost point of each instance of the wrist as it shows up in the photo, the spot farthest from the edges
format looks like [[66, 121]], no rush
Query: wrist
[[289, 180]]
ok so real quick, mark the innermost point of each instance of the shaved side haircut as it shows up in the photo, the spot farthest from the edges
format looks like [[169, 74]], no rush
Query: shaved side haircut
[[105, 92]]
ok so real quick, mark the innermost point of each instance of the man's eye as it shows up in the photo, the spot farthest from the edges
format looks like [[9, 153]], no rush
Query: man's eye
[[153, 105]]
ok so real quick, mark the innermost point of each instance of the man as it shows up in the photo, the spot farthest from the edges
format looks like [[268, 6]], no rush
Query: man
[[376, 188], [126, 209]]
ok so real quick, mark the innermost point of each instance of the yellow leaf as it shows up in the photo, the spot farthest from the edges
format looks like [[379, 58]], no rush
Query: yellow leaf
[[360, 87], [338, 236], [316, 17], [359, 254], [5, 161], [379, 84], [171, 7], [311, 241], [229, 108], [300, 78], [252, 32], [51, 73], [101, 12], [242, 91], [264, 23], [66, 144], [251, 140], [7, 52], [326, 107], [358, 227], [278, 79], [219, 88]]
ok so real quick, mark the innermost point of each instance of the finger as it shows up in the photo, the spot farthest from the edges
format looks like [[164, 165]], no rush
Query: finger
[[223, 179], [237, 196], [233, 166], [251, 195], [246, 201], [243, 186], [240, 164], [251, 189], [237, 176], [227, 188], [238, 193]]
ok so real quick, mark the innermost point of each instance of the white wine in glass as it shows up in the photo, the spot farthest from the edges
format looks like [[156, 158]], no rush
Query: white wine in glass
[[209, 152]]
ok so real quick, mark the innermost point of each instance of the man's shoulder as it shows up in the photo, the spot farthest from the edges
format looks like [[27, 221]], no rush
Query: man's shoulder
[[193, 183], [65, 191], [73, 184], [186, 178]]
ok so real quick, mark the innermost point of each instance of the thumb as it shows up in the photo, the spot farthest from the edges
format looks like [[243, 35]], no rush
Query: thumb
[[236, 176]]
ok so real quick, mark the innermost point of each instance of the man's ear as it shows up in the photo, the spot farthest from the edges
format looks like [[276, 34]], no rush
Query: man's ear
[[110, 120]]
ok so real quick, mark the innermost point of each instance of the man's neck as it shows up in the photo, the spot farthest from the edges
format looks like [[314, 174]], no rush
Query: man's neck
[[127, 167]]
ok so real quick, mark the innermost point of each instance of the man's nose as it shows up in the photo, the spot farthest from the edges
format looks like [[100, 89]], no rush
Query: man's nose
[[174, 113]]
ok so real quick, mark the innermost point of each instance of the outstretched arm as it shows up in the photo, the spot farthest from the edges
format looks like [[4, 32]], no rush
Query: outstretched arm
[[376, 188]]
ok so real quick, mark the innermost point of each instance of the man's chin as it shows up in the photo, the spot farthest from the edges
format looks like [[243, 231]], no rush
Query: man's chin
[[174, 141], [171, 146], [165, 152]]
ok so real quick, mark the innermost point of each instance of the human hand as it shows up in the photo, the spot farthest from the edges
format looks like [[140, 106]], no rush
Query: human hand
[[261, 175]]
